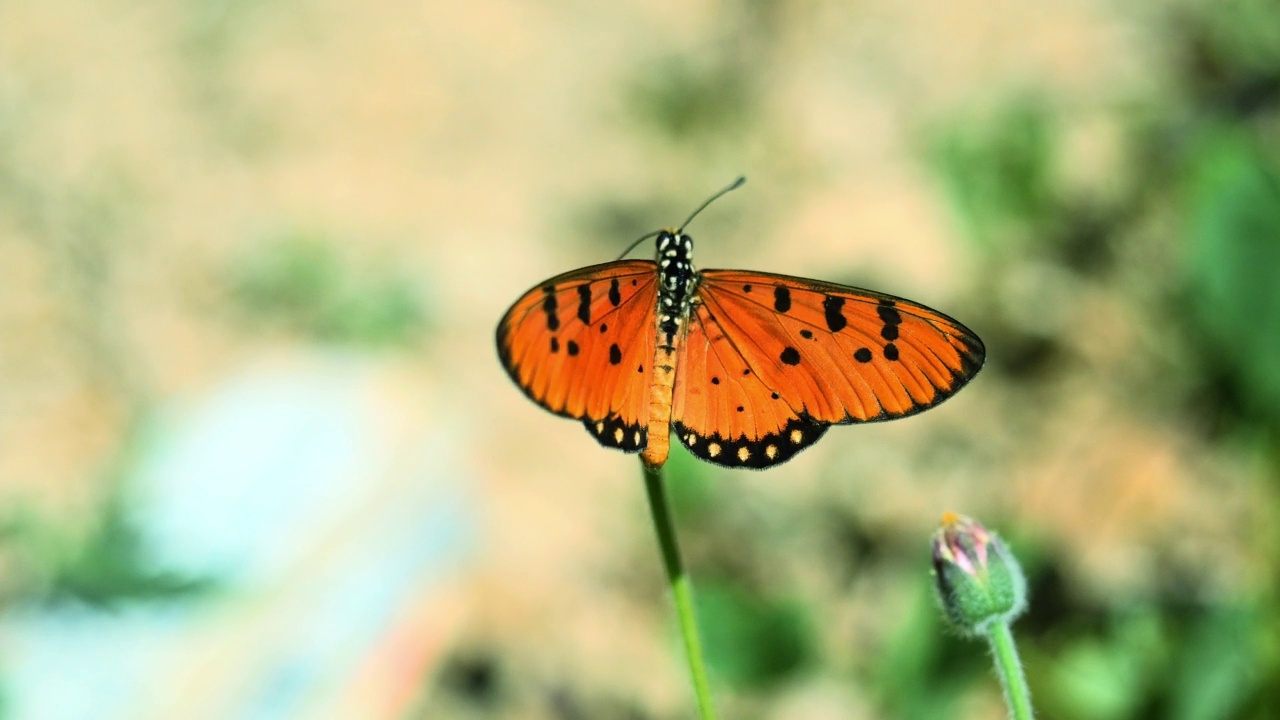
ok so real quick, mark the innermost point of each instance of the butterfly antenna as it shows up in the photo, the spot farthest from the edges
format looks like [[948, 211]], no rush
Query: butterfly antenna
[[639, 240], [731, 186]]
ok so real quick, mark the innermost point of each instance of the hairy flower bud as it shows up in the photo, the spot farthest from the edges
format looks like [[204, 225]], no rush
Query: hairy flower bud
[[978, 580]]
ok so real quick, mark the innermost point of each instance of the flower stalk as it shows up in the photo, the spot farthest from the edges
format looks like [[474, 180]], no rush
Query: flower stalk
[[681, 590]]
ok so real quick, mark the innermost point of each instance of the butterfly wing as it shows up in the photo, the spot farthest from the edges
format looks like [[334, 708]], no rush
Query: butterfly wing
[[771, 361], [581, 343]]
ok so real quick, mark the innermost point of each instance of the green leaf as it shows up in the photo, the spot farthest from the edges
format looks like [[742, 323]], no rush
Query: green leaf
[[1233, 255]]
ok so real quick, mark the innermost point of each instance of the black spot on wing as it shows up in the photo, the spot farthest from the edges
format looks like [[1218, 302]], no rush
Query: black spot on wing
[[863, 355], [584, 303], [806, 334], [891, 352], [889, 332], [572, 348], [555, 345], [790, 356], [549, 307], [615, 354], [612, 432], [781, 299], [615, 298], [888, 314], [741, 452], [833, 309]]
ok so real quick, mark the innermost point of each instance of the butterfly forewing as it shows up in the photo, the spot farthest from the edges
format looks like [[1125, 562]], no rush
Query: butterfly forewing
[[771, 361], [580, 345]]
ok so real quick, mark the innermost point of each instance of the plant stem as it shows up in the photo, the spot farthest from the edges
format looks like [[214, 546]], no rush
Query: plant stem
[[1016, 695], [680, 589]]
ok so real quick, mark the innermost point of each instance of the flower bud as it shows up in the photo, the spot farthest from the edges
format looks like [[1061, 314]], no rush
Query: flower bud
[[978, 580]]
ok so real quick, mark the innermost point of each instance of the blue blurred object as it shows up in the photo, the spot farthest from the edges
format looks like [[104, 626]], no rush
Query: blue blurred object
[[330, 521]]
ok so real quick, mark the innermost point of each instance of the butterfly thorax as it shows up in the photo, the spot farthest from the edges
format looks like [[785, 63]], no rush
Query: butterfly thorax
[[676, 282]]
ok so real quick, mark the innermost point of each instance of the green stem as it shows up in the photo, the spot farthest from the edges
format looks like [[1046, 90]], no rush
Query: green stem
[[680, 590], [1016, 695]]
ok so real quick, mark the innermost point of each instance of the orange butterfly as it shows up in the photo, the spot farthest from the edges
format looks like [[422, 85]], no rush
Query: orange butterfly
[[748, 368]]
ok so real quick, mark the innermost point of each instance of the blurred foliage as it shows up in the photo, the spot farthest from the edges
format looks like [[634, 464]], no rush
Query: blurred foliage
[[1219, 667], [711, 97], [1107, 676], [109, 566], [1033, 237], [1233, 252], [1232, 57], [212, 43], [113, 565], [298, 283], [924, 668], [686, 101], [999, 174], [85, 228], [1207, 166], [472, 684], [753, 642]]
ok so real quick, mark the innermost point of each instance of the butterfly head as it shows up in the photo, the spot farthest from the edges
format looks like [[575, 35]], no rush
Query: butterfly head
[[673, 242], [674, 254]]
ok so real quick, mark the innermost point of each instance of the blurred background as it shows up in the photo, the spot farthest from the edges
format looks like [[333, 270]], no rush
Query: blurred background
[[258, 458]]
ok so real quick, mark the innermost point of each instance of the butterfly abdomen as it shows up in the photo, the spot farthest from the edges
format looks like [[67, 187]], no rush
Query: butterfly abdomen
[[676, 283], [664, 377]]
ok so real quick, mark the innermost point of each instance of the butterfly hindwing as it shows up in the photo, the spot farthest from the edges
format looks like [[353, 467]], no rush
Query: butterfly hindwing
[[580, 345], [770, 361], [724, 412]]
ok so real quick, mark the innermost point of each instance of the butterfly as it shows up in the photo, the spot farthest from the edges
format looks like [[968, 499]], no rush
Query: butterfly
[[746, 368]]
